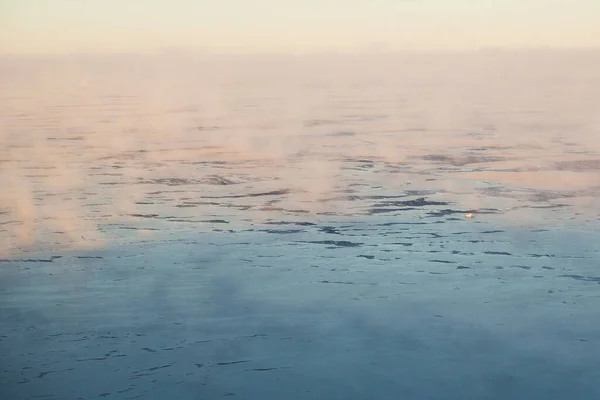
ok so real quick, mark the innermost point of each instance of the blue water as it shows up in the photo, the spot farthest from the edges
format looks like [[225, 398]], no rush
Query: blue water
[[307, 243]]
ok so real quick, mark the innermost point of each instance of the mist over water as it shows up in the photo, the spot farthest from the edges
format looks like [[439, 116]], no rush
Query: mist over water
[[89, 141], [199, 225]]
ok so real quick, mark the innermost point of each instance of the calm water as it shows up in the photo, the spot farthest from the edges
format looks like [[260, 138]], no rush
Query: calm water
[[270, 227]]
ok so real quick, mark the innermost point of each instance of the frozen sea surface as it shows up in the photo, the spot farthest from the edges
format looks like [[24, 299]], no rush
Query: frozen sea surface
[[199, 228]]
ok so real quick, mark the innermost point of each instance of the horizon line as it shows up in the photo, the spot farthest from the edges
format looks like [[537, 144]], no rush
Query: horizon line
[[186, 50]]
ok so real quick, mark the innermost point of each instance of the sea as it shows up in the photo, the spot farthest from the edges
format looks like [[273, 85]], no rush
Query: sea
[[324, 226]]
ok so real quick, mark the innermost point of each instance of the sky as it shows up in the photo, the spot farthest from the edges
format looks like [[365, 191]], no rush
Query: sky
[[293, 26]]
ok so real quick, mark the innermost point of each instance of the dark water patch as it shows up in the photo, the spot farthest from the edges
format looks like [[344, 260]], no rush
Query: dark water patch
[[90, 257], [264, 369], [550, 206], [234, 362], [442, 261], [148, 349], [211, 163], [494, 231], [446, 212], [346, 283], [405, 244], [36, 176], [154, 368], [366, 165], [239, 196], [199, 203], [461, 161], [374, 211], [497, 253], [126, 156], [330, 230], [284, 210], [365, 256], [143, 215], [582, 278], [27, 260], [521, 266], [180, 219], [213, 203], [431, 234], [416, 192], [283, 231], [578, 166], [256, 335], [381, 197], [542, 255], [462, 267], [170, 181], [337, 243], [10, 222], [363, 197], [107, 174], [420, 202], [43, 374], [462, 253], [92, 359], [218, 180], [290, 223], [135, 228], [271, 193], [402, 223]]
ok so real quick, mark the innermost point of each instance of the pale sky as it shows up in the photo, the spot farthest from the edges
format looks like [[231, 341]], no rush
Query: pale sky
[[292, 26]]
